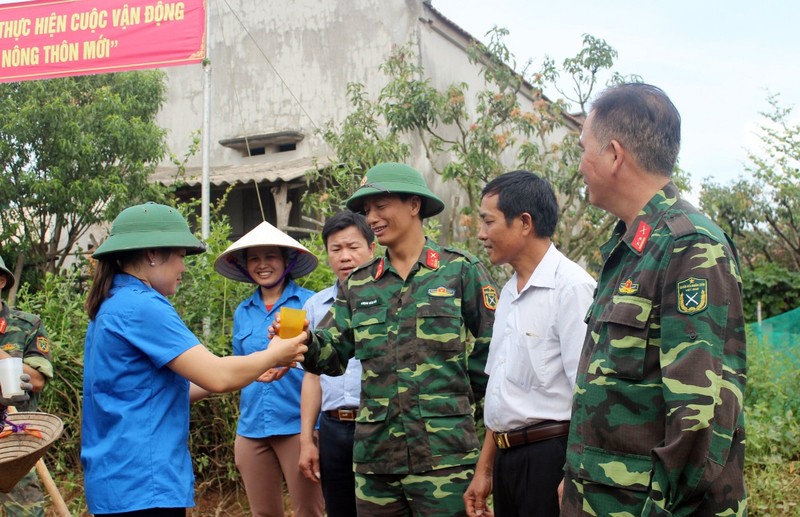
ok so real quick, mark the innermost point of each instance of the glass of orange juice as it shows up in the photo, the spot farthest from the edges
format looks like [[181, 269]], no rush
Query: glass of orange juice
[[292, 321]]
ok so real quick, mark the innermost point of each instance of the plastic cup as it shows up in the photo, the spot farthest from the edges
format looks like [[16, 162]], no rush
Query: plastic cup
[[292, 322], [10, 372]]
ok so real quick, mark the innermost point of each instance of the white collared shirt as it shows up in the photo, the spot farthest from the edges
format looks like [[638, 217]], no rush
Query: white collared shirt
[[343, 391], [536, 344]]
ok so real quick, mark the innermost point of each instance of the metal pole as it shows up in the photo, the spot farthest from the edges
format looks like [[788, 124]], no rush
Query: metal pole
[[205, 194]]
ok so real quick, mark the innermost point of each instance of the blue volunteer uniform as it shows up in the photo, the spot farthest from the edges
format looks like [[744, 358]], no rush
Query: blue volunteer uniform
[[135, 427], [267, 408]]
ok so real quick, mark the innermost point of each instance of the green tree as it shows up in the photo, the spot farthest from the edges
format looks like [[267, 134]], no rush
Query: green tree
[[73, 153], [505, 130], [761, 214]]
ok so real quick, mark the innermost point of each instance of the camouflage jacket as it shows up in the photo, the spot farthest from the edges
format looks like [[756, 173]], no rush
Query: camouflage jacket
[[420, 376], [23, 335], [657, 423]]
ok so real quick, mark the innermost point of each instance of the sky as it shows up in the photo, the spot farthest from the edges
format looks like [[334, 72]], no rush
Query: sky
[[717, 60]]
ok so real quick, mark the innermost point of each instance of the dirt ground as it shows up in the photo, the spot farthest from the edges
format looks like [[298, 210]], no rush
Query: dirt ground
[[210, 502]]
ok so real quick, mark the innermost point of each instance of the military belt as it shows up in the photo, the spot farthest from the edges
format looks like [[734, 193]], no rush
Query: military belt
[[344, 414], [535, 433]]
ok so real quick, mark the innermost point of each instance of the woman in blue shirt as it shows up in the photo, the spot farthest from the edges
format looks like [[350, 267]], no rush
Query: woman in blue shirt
[[267, 445], [142, 365]]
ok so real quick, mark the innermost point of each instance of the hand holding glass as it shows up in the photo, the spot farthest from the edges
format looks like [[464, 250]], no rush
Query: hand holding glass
[[10, 373]]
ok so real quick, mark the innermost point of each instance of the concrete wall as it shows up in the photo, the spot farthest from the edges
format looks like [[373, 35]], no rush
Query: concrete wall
[[280, 65]]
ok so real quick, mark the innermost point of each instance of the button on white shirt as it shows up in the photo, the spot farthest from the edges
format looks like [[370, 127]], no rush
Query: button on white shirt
[[536, 344]]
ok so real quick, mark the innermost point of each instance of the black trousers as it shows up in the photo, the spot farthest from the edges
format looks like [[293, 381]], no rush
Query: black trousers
[[526, 478], [336, 466], [151, 512]]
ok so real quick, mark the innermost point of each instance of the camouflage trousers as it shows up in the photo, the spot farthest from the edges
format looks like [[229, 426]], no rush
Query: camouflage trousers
[[429, 494], [25, 500]]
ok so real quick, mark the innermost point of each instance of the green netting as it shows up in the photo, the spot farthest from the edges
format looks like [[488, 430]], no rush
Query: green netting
[[781, 332]]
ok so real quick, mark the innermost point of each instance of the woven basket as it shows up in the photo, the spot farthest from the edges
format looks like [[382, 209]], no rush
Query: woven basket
[[19, 452]]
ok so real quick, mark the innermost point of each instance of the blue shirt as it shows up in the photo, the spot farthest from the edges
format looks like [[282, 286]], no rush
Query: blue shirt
[[267, 408], [135, 426], [343, 391]]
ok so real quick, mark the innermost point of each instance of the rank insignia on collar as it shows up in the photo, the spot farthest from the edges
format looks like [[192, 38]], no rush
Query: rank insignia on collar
[[3, 325], [692, 295], [628, 287], [641, 237], [379, 271], [432, 260], [442, 292], [489, 297]]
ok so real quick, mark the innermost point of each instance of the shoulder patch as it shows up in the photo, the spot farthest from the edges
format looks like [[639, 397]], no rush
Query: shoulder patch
[[692, 295], [43, 344], [489, 297]]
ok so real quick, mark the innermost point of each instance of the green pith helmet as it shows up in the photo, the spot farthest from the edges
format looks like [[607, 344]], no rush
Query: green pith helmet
[[5, 271], [149, 226], [395, 178]]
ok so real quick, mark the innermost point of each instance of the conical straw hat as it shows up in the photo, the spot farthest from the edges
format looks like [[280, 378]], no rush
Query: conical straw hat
[[20, 451], [232, 264]]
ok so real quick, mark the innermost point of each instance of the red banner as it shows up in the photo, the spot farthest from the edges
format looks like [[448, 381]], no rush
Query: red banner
[[43, 39]]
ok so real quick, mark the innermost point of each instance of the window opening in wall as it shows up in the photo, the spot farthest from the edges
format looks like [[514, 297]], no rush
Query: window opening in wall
[[265, 143]]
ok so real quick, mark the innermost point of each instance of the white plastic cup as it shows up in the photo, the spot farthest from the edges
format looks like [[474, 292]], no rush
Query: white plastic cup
[[10, 372]]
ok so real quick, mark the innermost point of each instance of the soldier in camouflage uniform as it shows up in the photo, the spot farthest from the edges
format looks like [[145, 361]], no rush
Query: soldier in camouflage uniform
[[23, 335], [657, 423], [405, 315]]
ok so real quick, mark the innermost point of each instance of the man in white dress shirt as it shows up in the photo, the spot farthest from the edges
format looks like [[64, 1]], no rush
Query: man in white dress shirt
[[533, 357]]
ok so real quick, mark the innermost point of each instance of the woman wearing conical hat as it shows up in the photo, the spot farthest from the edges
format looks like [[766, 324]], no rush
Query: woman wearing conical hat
[[142, 365], [267, 445]]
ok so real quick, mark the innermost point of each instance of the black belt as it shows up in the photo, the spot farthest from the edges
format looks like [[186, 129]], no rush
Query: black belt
[[345, 414], [535, 433]]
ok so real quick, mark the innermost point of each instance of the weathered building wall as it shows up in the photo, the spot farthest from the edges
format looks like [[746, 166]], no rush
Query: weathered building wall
[[282, 66]]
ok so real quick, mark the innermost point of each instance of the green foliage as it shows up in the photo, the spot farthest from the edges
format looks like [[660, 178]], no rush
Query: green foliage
[[772, 406], [773, 403], [511, 126], [74, 152], [773, 490], [361, 142], [760, 214], [777, 289]]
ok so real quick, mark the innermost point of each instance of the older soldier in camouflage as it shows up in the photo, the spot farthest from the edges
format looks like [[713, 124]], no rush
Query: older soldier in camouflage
[[23, 335], [657, 423], [405, 315]]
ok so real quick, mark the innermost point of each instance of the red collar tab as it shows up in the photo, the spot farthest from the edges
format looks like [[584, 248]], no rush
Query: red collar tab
[[642, 235], [3, 325], [432, 260], [379, 271]]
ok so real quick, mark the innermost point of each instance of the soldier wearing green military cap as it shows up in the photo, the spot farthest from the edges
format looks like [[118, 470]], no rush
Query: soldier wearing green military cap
[[657, 422], [405, 316], [23, 335]]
